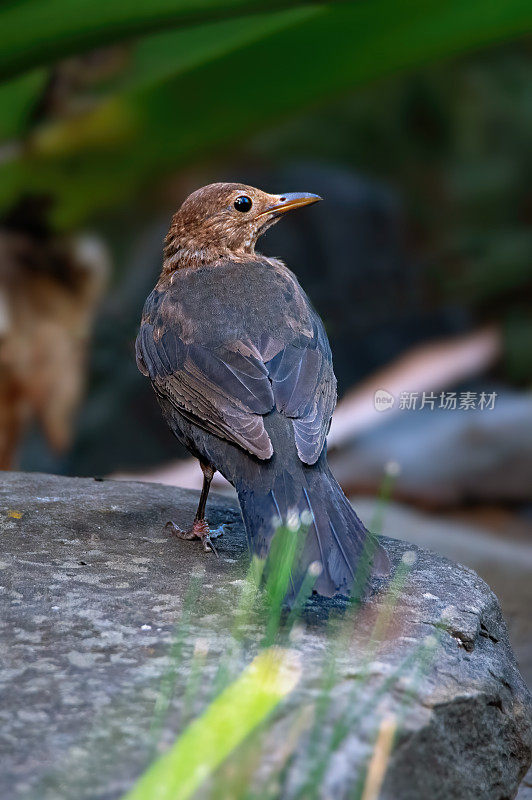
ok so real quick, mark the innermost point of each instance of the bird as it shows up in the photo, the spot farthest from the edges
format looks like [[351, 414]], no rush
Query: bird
[[242, 369]]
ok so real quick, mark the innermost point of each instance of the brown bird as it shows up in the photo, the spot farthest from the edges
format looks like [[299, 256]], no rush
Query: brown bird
[[242, 369]]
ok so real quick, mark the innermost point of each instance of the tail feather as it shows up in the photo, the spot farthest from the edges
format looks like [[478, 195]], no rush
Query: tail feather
[[336, 538]]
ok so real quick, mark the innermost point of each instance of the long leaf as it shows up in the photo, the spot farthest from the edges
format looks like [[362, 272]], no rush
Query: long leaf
[[34, 32], [221, 102], [166, 55], [17, 100]]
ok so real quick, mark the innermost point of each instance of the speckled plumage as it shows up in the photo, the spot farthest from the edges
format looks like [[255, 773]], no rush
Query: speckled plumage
[[242, 368]]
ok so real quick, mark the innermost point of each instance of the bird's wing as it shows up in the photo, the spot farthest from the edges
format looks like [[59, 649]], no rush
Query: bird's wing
[[304, 389], [221, 390], [227, 389]]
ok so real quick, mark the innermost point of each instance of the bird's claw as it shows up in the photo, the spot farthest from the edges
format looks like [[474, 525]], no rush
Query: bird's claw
[[199, 530], [208, 545], [179, 532]]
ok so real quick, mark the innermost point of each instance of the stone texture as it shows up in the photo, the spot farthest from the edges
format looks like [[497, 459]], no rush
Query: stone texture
[[502, 556], [93, 586]]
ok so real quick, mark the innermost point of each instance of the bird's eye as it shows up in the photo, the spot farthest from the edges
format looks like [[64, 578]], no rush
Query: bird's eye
[[243, 203]]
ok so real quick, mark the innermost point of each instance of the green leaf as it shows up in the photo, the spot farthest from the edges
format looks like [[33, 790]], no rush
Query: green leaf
[[185, 109], [17, 100], [34, 32], [227, 721], [166, 55]]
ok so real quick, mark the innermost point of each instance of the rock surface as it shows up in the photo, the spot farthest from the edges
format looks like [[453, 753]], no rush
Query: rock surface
[[502, 556], [93, 587]]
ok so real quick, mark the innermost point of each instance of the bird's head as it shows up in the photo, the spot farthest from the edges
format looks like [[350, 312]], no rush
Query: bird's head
[[224, 220]]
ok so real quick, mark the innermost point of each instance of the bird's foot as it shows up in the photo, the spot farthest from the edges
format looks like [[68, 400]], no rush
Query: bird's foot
[[199, 530]]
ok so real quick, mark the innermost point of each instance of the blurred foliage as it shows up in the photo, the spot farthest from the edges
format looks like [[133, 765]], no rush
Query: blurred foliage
[[199, 87], [223, 726], [455, 139], [17, 99], [101, 100], [221, 744], [40, 31]]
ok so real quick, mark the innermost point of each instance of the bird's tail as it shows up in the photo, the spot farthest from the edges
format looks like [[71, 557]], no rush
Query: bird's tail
[[335, 538]]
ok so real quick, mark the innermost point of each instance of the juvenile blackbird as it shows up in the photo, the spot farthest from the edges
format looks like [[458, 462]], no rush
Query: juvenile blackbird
[[241, 366]]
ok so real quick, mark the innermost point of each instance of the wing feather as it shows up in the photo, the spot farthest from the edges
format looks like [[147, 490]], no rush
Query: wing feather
[[221, 391], [228, 389]]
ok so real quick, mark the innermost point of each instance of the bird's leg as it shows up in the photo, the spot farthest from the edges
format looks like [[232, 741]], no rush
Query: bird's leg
[[200, 528]]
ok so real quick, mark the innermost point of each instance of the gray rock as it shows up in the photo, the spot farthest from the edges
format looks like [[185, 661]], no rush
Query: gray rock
[[503, 559], [93, 587]]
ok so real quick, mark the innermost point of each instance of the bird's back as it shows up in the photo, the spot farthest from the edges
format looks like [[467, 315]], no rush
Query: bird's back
[[256, 300]]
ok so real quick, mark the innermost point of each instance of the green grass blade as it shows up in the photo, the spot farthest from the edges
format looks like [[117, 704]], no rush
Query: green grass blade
[[169, 679], [225, 724]]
